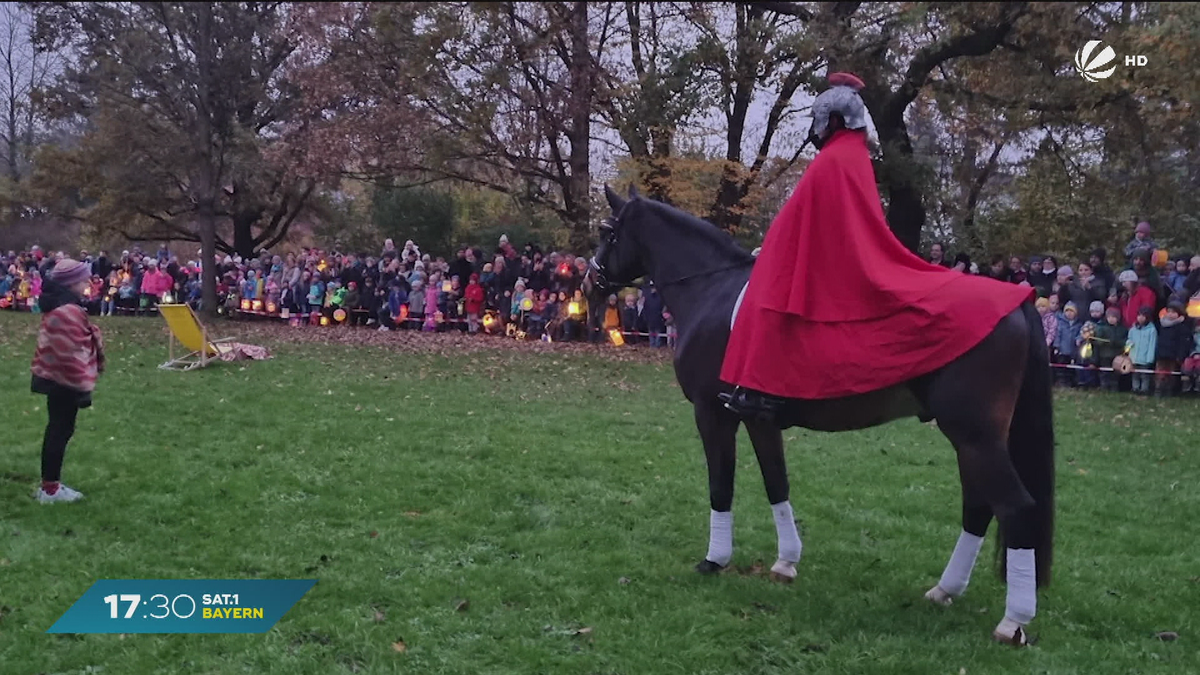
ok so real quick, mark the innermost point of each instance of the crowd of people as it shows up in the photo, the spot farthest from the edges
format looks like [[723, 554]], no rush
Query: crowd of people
[[1094, 317], [1099, 322], [528, 294]]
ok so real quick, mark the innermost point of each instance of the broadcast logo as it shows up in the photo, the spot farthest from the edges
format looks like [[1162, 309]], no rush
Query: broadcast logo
[[1097, 61]]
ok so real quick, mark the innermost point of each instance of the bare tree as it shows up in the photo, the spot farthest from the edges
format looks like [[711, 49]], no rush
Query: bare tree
[[23, 70]]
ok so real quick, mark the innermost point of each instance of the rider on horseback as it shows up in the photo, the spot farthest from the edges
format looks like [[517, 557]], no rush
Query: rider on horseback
[[818, 325]]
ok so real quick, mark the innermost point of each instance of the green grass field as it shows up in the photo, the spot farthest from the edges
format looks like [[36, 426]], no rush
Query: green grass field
[[539, 510]]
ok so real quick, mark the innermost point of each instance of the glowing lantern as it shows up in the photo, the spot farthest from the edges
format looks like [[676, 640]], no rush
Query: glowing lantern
[[616, 337], [295, 321], [1161, 257], [257, 305], [1193, 308], [324, 321], [404, 312], [564, 269], [285, 313], [520, 335], [339, 314], [168, 298], [573, 308], [511, 330], [526, 304], [439, 317], [1086, 352], [447, 286], [546, 337], [272, 307], [321, 266], [246, 304], [489, 321], [6, 301]]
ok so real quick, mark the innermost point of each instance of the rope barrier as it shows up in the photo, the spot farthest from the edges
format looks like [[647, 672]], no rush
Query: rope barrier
[[1070, 366]]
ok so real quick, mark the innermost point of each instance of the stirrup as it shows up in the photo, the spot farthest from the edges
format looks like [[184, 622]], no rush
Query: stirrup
[[751, 404]]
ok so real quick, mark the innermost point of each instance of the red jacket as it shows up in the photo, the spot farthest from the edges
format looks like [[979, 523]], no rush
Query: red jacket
[[1143, 297], [474, 298], [70, 350]]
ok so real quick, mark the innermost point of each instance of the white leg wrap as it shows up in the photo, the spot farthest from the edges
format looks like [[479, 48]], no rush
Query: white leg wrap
[[720, 537], [1021, 604], [790, 546], [958, 571]]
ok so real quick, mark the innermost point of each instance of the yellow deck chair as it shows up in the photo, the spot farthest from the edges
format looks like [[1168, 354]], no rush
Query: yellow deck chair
[[192, 335]]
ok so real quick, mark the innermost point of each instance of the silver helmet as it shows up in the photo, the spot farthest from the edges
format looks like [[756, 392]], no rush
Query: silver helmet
[[841, 98]]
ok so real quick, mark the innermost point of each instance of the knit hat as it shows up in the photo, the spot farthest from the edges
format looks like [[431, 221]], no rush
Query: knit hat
[[68, 272], [1127, 275], [1071, 306], [1096, 306], [1066, 271], [1143, 227], [1041, 302], [1100, 253], [1113, 311]]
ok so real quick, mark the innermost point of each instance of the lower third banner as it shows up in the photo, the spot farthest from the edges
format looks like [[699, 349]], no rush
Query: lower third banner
[[182, 606]]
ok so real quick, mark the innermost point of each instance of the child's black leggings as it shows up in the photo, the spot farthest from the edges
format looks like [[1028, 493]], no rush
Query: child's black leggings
[[59, 430]]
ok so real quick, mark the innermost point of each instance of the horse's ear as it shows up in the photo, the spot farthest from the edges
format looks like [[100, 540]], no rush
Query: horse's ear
[[633, 192], [615, 201]]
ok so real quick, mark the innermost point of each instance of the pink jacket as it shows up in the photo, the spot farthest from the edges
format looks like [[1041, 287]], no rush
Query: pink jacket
[[156, 282]]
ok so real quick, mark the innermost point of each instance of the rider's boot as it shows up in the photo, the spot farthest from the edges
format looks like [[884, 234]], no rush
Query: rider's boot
[[753, 404]]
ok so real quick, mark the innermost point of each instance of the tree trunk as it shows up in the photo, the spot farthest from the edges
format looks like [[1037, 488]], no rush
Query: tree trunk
[[243, 234], [579, 185], [206, 200], [906, 208]]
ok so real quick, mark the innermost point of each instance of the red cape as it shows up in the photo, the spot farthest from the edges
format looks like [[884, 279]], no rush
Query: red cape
[[837, 306]]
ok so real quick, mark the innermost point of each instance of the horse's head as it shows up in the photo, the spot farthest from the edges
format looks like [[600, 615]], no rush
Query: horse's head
[[617, 261]]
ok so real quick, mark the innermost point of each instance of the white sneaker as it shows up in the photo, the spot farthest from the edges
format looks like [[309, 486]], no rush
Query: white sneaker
[[64, 494], [384, 329]]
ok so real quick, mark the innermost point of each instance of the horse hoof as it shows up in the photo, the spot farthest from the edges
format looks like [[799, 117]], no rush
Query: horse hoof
[[1010, 632], [783, 571], [939, 597], [709, 567]]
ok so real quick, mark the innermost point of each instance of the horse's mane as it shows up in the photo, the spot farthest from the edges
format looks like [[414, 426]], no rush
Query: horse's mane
[[700, 230]]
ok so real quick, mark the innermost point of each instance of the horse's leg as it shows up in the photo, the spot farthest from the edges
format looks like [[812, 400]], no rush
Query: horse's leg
[[718, 432], [768, 446], [976, 518], [973, 400]]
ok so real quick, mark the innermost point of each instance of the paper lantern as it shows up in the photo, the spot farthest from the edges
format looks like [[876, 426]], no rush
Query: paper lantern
[[257, 305], [616, 337], [1161, 257], [6, 301], [520, 335], [1086, 352], [314, 319], [526, 304], [339, 315], [272, 308], [573, 308], [1193, 308], [295, 321], [439, 317], [564, 269], [87, 292], [404, 312], [246, 305], [324, 321], [447, 286], [546, 337], [168, 298], [511, 330], [489, 321], [285, 313]]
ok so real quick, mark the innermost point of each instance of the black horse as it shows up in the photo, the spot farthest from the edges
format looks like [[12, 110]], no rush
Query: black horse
[[1002, 431]]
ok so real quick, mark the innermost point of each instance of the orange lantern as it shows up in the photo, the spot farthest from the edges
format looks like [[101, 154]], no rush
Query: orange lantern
[[339, 314], [616, 337], [439, 317], [447, 286], [246, 304], [272, 307], [1193, 308], [1161, 257], [257, 305], [404, 312], [324, 321], [489, 321]]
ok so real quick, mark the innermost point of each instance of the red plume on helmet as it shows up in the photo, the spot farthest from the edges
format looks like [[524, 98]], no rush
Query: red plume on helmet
[[847, 80]]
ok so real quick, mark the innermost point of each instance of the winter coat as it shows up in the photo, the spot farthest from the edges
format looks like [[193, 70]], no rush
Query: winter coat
[[1143, 344], [1050, 327], [474, 298], [1174, 340], [70, 350], [1142, 297], [1115, 336], [1067, 338]]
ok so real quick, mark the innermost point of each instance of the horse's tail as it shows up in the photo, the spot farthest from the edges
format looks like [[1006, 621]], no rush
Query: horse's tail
[[1031, 446]]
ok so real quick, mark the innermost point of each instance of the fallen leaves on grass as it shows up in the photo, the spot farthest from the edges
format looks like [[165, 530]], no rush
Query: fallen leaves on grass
[[399, 647], [374, 534], [412, 514], [623, 581], [462, 605], [1167, 636], [378, 616]]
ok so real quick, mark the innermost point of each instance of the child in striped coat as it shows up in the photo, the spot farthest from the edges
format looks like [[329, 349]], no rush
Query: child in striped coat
[[69, 358]]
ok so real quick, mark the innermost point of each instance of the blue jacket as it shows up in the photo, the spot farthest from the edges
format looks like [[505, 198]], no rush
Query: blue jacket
[[1066, 341], [1143, 343]]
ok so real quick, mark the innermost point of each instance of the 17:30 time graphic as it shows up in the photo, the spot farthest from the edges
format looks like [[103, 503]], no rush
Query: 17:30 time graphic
[[169, 606]]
